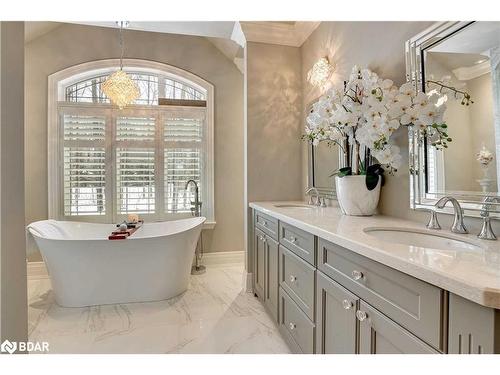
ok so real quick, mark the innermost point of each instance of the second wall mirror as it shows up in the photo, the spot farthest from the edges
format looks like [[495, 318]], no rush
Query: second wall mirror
[[462, 61]]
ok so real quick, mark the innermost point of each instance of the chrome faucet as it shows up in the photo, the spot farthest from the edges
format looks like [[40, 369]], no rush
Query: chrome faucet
[[486, 232], [458, 225], [198, 268], [313, 202], [196, 205]]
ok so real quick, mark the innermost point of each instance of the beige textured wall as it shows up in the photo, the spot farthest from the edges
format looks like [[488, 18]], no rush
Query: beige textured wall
[[273, 127], [69, 45], [13, 307], [379, 46], [273, 122]]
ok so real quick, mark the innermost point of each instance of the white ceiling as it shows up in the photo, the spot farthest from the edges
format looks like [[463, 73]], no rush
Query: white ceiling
[[228, 36], [290, 33], [214, 29], [35, 29]]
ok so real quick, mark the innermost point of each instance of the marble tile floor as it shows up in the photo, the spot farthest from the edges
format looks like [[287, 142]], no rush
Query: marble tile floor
[[214, 316]]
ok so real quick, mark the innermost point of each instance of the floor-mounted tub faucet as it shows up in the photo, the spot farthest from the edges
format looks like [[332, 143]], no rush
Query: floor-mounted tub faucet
[[198, 268], [196, 205]]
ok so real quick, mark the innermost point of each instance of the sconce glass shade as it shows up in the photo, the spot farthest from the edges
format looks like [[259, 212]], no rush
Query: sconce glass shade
[[120, 89], [320, 72]]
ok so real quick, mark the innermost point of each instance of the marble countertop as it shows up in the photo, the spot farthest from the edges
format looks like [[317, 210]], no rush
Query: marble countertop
[[472, 274]]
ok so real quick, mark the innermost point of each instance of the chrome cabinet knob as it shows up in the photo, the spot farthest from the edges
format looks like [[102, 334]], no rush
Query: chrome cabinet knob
[[292, 326], [293, 278], [265, 223], [361, 315], [356, 275], [293, 239], [346, 304]]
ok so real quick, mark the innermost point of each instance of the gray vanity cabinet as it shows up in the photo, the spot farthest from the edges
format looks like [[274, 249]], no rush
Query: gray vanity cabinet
[[380, 335], [412, 303], [473, 329], [271, 277], [336, 324], [266, 271], [259, 263], [328, 299]]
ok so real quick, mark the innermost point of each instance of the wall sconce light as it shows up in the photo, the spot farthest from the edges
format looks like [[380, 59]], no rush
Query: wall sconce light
[[320, 72]]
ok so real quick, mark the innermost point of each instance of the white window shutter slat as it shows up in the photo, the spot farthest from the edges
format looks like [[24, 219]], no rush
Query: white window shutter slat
[[84, 177]]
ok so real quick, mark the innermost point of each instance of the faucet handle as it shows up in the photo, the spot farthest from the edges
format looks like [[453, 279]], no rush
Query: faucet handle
[[323, 201], [486, 230], [433, 221], [310, 200]]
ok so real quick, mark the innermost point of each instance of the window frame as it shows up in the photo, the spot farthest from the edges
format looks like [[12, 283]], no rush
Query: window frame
[[56, 103]]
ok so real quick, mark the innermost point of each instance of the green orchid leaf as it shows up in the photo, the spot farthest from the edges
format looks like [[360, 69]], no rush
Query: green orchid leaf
[[346, 171], [371, 181], [373, 173]]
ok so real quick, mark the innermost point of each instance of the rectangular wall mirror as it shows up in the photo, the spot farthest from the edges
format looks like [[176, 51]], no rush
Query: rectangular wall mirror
[[461, 61]]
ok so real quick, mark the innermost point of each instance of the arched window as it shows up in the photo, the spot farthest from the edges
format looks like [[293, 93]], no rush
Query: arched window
[[151, 87], [105, 162]]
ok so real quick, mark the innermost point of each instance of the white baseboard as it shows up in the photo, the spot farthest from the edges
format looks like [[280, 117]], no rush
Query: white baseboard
[[223, 257], [37, 270]]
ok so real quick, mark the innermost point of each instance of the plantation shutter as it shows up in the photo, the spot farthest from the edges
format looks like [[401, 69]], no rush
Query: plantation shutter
[[84, 166], [135, 164], [183, 157]]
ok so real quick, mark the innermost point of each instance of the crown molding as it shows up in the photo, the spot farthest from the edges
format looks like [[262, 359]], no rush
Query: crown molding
[[470, 72], [282, 33]]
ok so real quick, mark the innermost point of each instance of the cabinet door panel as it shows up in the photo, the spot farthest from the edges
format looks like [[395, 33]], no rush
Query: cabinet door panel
[[271, 277], [380, 335], [297, 278], [472, 327], [335, 318], [295, 326], [259, 263]]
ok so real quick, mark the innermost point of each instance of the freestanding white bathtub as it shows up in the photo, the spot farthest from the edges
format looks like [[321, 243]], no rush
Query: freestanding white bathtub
[[87, 269]]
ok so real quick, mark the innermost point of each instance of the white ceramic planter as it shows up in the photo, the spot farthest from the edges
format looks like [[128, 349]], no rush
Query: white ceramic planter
[[354, 197]]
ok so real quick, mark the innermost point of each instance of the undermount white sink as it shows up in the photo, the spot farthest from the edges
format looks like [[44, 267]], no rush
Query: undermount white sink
[[421, 238], [300, 206]]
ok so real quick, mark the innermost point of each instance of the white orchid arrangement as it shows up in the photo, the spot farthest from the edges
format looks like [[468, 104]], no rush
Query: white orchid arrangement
[[365, 114]]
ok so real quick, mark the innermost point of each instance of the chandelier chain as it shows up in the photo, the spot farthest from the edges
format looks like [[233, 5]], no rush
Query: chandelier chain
[[122, 48]]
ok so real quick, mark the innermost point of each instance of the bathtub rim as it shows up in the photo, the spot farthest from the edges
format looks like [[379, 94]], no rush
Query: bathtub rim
[[197, 221]]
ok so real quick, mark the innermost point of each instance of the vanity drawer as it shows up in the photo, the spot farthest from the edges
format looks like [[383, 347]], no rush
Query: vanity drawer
[[267, 224], [297, 278], [414, 304], [299, 242], [297, 329]]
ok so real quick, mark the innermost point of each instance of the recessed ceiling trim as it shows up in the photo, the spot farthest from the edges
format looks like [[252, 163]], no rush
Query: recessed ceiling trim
[[288, 34], [470, 72]]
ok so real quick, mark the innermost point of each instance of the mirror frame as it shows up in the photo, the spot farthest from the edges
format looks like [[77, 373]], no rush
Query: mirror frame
[[419, 198], [327, 192]]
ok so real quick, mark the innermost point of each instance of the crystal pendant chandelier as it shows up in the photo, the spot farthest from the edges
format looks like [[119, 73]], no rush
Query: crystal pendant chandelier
[[119, 87]]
